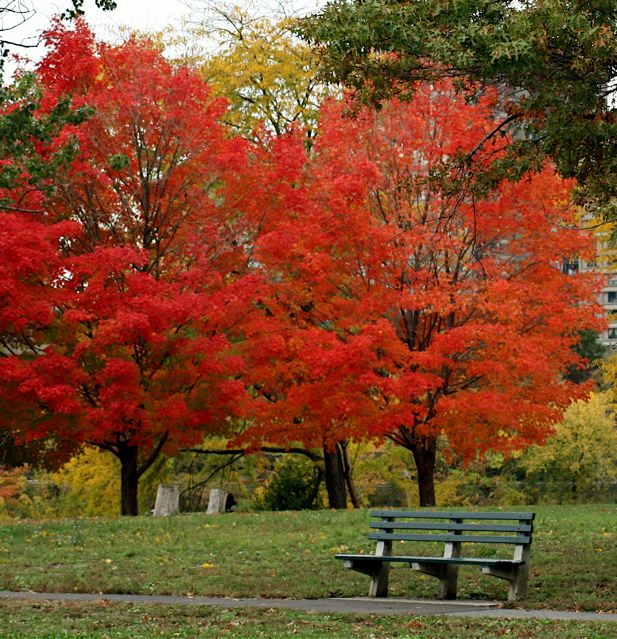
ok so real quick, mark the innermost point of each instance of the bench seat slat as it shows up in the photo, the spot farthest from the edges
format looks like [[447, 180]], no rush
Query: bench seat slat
[[433, 514], [425, 525], [478, 539], [473, 561]]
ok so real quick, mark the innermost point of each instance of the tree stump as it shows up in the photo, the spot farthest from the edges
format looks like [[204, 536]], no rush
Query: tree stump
[[216, 502], [167, 501]]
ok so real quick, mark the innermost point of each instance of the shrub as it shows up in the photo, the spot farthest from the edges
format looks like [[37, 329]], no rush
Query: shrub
[[294, 485], [25, 493]]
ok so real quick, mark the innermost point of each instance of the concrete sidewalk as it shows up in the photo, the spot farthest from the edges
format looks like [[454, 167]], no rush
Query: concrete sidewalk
[[389, 606]]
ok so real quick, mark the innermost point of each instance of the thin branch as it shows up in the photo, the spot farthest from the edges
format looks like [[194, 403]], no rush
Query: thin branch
[[313, 456], [491, 134], [218, 469], [104, 446], [22, 45], [17, 209]]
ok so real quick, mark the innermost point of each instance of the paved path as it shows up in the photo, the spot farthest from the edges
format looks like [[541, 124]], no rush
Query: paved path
[[390, 606]]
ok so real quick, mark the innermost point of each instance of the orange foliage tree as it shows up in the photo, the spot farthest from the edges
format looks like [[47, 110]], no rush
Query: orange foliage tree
[[416, 301]]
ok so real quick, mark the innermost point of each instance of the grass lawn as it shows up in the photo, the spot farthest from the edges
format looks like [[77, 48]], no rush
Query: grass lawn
[[290, 554], [26, 620]]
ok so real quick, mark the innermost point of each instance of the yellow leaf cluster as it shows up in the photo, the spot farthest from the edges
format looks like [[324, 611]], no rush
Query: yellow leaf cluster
[[583, 447], [268, 76]]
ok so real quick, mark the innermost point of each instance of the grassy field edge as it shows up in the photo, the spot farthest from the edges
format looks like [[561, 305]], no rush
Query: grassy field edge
[[290, 554]]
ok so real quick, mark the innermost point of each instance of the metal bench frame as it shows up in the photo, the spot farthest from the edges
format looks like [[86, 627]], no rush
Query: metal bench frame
[[453, 529]]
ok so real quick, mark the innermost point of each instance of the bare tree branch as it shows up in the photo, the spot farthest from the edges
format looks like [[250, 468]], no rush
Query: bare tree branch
[[311, 454]]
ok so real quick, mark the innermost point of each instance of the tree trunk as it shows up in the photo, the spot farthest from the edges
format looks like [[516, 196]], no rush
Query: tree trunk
[[129, 479], [335, 478], [353, 495], [424, 451]]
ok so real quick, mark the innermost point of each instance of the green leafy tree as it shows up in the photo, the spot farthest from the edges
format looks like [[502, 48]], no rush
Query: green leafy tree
[[554, 61], [591, 350], [31, 152]]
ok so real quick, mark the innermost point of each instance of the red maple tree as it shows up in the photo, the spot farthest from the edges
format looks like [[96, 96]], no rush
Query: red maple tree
[[415, 300], [151, 282]]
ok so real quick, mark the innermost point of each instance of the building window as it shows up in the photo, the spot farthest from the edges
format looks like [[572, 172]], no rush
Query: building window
[[612, 332], [570, 266], [611, 297]]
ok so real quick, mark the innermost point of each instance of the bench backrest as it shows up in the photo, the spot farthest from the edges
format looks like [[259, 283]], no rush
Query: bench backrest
[[452, 526]]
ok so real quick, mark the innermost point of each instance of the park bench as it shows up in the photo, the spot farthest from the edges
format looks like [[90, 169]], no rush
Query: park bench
[[452, 529]]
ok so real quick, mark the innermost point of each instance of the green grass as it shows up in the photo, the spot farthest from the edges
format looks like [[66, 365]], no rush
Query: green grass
[[26, 620], [290, 555]]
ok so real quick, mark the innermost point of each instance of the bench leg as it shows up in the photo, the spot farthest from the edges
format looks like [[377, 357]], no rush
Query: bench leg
[[379, 582], [448, 583], [517, 576], [447, 575], [381, 576], [378, 571], [518, 585]]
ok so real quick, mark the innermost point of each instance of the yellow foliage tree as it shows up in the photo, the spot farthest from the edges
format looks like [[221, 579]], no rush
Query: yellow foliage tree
[[90, 484], [581, 455], [382, 475], [268, 75]]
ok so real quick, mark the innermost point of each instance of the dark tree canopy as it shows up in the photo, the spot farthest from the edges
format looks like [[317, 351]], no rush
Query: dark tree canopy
[[555, 62], [106, 5], [591, 350]]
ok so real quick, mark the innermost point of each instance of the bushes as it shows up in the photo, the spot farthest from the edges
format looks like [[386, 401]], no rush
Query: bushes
[[13, 499], [90, 484], [26, 494], [294, 485], [86, 486]]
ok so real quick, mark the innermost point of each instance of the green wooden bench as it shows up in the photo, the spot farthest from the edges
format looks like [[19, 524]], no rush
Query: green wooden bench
[[452, 529]]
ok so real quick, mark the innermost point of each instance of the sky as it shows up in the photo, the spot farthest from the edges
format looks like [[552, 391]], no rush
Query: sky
[[139, 14], [142, 15]]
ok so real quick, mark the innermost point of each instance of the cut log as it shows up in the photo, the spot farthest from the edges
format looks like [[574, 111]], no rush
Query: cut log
[[167, 501], [216, 502]]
